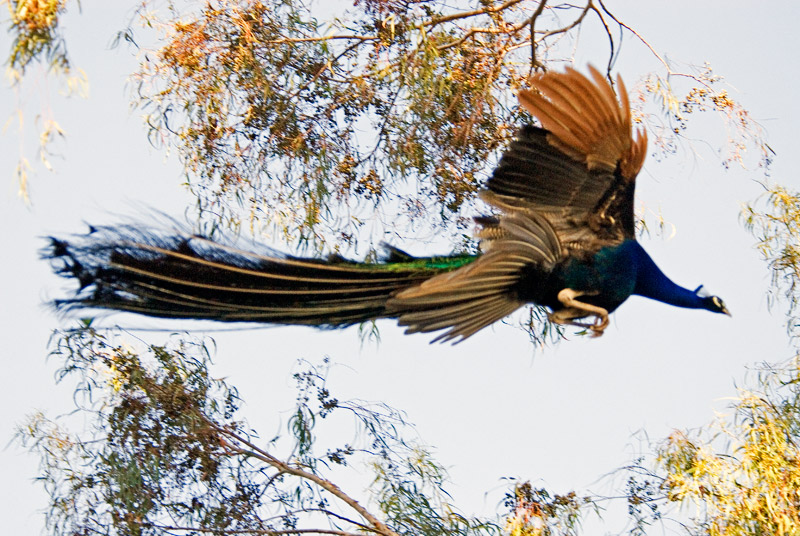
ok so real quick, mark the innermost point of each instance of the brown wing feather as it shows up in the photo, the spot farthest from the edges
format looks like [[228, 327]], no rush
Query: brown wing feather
[[535, 174], [585, 120], [580, 168], [479, 294]]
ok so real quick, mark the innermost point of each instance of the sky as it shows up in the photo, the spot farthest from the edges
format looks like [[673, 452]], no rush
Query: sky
[[494, 406]]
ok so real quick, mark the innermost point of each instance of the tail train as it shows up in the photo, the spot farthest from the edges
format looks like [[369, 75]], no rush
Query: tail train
[[184, 276]]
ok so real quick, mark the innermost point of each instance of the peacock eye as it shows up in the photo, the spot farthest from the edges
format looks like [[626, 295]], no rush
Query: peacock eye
[[717, 301]]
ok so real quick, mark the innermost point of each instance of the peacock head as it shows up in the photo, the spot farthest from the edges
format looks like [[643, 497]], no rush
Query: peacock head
[[711, 303]]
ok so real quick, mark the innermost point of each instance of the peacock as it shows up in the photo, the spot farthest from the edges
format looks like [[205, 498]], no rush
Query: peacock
[[563, 237]]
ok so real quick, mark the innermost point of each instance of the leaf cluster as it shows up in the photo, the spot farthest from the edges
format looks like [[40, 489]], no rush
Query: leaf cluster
[[535, 512], [749, 484], [775, 222], [37, 35], [697, 89]]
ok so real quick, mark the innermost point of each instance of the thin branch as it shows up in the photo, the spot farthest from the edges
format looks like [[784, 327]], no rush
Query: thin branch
[[284, 40], [381, 131], [642, 39], [483, 11], [327, 67], [576, 22], [494, 31], [282, 466], [334, 514], [532, 23], [267, 532], [610, 39], [666, 65], [428, 24]]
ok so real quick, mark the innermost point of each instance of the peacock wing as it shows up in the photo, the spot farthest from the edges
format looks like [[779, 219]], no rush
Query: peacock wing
[[466, 300], [583, 161]]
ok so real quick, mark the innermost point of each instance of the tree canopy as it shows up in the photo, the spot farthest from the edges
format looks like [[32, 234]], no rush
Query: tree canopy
[[331, 123]]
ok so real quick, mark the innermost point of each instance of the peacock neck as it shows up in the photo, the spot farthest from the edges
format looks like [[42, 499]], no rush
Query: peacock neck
[[652, 283]]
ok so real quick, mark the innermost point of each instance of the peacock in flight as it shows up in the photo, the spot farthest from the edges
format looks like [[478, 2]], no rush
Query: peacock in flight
[[563, 238]]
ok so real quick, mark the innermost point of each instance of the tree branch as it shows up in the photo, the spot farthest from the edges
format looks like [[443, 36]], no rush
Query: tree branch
[[532, 23], [664, 62], [284, 40], [472, 31], [483, 11], [610, 39], [565, 29], [266, 532], [378, 526]]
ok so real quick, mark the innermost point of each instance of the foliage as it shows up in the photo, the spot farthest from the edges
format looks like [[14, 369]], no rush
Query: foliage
[[392, 114], [166, 455], [682, 93], [327, 124], [534, 512], [740, 473], [777, 229], [319, 127], [751, 483], [37, 35]]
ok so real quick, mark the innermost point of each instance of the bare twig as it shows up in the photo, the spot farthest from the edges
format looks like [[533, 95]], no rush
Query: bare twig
[[283, 40], [664, 62], [575, 23], [532, 23], [610, 40]]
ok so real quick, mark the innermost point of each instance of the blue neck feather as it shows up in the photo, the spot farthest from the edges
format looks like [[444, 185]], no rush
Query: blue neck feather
[[652, 283]]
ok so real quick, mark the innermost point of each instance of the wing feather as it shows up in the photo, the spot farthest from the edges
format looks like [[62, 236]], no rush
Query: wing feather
[[579, 169], [534, 174], [466, 300], [585, 118]]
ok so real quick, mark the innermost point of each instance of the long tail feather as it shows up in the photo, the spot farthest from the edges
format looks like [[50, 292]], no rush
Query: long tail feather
[[183, 276]]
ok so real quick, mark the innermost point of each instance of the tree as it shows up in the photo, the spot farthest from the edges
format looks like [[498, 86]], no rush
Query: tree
[[165, 454], [270, 108], [316, 128]]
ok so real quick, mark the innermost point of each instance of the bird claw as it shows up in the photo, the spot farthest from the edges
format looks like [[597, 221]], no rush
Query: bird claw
[[577, 309]]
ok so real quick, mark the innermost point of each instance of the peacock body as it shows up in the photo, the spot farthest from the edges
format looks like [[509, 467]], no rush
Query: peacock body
[[608, 277], [563, 238]]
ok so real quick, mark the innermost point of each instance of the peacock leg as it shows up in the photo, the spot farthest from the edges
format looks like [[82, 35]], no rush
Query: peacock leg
[[574, 309]]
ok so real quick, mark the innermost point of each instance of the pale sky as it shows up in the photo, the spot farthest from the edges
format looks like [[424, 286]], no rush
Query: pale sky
[[491, 407]]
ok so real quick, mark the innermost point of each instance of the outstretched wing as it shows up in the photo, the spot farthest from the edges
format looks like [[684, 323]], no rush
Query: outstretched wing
[[580, 168], [479, 294]]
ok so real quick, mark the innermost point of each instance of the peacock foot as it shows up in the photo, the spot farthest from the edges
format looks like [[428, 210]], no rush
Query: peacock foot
[[575, 309]]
